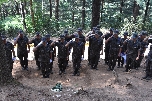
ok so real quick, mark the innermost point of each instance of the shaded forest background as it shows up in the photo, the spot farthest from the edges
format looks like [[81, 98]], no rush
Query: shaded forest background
[[54, 16]]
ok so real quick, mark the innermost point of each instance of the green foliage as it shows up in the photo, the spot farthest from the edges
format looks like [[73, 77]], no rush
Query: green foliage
[[111, 17]]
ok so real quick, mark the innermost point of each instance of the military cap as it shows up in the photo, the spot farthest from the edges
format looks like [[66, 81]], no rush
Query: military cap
[[21, 32], [111, 29], [37, 33], [62, 36], [98, 26], [143, 33], [44, 39], [3, 37], [125, 33], [76, 36], [135, 35], [66, 31], [94, 28], [79, 30], [47, 35], [116, 31], [97, 32]]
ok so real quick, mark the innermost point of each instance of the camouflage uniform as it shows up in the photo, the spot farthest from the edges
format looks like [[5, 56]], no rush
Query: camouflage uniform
[[124, 48], [9, 47], [67, 39], [107, 48], [132, 53], [114, 46], [76, 55], [96, 45], [53, 49], [44, 58], [22, 51], [36, 41], [148, 75], [62, 55], [89, 48], [143, 46]]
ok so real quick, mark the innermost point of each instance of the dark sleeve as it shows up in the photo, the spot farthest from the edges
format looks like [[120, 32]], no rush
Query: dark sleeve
[[12, 46], [71, 44], [106, 37], [33, 41], [56, 44], [27, 40], [83, 40], [90, 38], [72, 36]]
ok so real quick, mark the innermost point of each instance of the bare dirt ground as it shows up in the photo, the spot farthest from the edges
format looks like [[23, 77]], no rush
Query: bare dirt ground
[[91, 85]]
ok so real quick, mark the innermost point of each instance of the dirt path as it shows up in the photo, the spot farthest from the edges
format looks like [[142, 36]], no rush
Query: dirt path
[[91, 85]]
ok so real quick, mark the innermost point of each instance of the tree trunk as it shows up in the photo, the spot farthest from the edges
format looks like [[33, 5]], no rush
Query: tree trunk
[[72, 19], [83, 14], [5, 74], [23, 16], [102, 4], [121, 5], [32, 13], [146, 10], [57, 13], [17, 8], [3, 10], [50, 8], [25, 4], [135, 10], [95, 12]]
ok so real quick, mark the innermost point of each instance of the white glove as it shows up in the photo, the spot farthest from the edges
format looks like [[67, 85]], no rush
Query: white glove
[[71, 41], [50, 60], [14, 58], [40, 43], [82, 58]]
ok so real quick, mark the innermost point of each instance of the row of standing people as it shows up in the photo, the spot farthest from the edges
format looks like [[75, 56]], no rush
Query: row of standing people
[[115, 47]]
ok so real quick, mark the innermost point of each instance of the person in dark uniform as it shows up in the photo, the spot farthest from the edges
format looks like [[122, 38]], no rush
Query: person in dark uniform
[[78, 49], [53, 49], [22, 52], [106, 36], [96, 45], [81, 38], [123, 51], [148, 75], [90, 33], [132, 52], [36, 41], [115, 46], [67, 39], [143, 46], [62, 54], [45, 56], [9, 48]]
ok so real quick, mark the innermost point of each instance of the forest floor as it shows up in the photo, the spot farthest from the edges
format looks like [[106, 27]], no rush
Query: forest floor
[[91, 85]]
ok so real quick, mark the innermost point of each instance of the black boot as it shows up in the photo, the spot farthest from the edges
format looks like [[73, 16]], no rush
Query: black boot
[[145, 76]]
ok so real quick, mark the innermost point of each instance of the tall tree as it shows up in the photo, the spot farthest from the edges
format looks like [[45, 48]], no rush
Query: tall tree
[[95, 12], [5, 74], [146, 10], [135, 10], [83, 13], [102, 4], [57, 13], [50, 8], [17, 8], [32, 13], [121, 5], [23, 15]]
